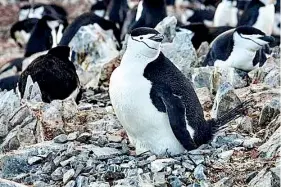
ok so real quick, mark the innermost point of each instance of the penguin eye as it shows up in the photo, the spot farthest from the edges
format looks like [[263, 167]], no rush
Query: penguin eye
[[141, 37]]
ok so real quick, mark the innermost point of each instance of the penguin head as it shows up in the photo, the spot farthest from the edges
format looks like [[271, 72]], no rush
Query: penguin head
[[146, 41], [251, 38]]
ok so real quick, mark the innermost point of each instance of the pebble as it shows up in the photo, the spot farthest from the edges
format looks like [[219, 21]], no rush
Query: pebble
[[57, 174], [70, 184], [251, 143], [160, 164], [68, 175], [225, 156], [84, 137], [34, 160], [72, 136], [199, 172], [62, 138]]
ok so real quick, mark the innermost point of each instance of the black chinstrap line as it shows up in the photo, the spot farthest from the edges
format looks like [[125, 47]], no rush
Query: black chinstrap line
[[145, 44], [251, 40]]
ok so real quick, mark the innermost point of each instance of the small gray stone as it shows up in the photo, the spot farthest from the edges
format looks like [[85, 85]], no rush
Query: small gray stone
[[188, 165], [99, 184], [160, 164], [57, 174], [224, 182], [245, 123], [70, 184], [251, 143], [159, 179], [269, 111], [175, 181], [199, 172], [225, 156], [68, 175], [265, 178], [62, 138], [34, 160], [68, 161], [84, 137], [82, 181], [72, 136], [197, 159]]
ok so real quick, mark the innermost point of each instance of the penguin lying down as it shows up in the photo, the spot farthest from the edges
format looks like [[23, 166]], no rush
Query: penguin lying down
[[54, 73], [156, 103]]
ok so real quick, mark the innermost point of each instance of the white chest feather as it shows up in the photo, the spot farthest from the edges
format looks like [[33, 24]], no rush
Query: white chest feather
[[265, 19], [226, 14], [240, 59], [147, 128], [139, 10]]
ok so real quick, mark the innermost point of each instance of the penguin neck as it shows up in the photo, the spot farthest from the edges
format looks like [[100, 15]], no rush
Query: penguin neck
[[137, 60]]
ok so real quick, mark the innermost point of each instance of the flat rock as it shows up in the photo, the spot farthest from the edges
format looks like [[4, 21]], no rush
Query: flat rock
[[160, 164], [62, 138], [68, 175]]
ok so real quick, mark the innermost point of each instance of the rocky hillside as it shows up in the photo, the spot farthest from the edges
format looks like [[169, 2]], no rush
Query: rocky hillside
[[64, 143]]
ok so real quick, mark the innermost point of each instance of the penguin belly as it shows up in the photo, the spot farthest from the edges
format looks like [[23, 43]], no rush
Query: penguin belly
[[265, 19], [147, 128]]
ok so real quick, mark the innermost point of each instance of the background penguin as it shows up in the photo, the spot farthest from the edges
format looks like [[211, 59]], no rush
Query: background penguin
[[12, 63], [259, 14], [46, 35], [226, 14], [99, 8], [39, 10], [151, 13], [203, 33], [154, 101], [202, 15], [116, 12], [238, 48], [87, 19], [21, 31], [54, 73], [9, 83]]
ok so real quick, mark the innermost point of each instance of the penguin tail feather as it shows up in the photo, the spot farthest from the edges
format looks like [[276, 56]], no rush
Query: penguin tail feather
[[238, 111]]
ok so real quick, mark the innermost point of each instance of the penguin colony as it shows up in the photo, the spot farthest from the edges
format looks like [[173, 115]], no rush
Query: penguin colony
[[155, 103]]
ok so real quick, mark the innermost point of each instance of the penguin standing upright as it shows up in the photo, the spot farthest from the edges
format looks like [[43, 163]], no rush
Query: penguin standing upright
[[46, 34], [149, 13], [154, 101], [238, 48], [226, 14], [259, 14], [116, 12], [55, 74]]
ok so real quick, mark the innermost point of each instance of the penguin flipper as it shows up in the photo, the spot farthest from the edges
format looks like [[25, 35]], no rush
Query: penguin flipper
[[176, 112]]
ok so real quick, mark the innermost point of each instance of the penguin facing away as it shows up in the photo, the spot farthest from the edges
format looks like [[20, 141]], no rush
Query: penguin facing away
[[149, 13], [238, 48], [55, 74], [46, 34], [154, 101], [259, 14]]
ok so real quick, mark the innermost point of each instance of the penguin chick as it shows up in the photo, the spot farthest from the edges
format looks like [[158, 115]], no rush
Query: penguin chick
[[54, 73], [238, 48], [46, 34], [155, 103]]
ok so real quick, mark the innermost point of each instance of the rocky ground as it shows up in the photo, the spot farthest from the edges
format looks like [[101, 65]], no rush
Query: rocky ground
[[71, 144]]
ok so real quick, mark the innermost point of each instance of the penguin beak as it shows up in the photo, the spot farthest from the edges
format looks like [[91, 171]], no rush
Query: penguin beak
[[157, 38], [268, 39]]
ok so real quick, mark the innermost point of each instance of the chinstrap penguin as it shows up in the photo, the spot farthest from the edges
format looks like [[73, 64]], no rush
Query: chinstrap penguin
[[149, 13], [46, 34], [238, 48], [21, 31], [226, 14], [55, 74], [154, 101], [259, 14]]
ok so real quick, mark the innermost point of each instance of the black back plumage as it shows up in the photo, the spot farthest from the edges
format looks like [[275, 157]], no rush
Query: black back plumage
[[200, 15], [54, 73], [153, 12], [27, 25], [203, 33], [163, 72], [87, 19], [251, 13], [9, 83], [221, 48], [116, 11]]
